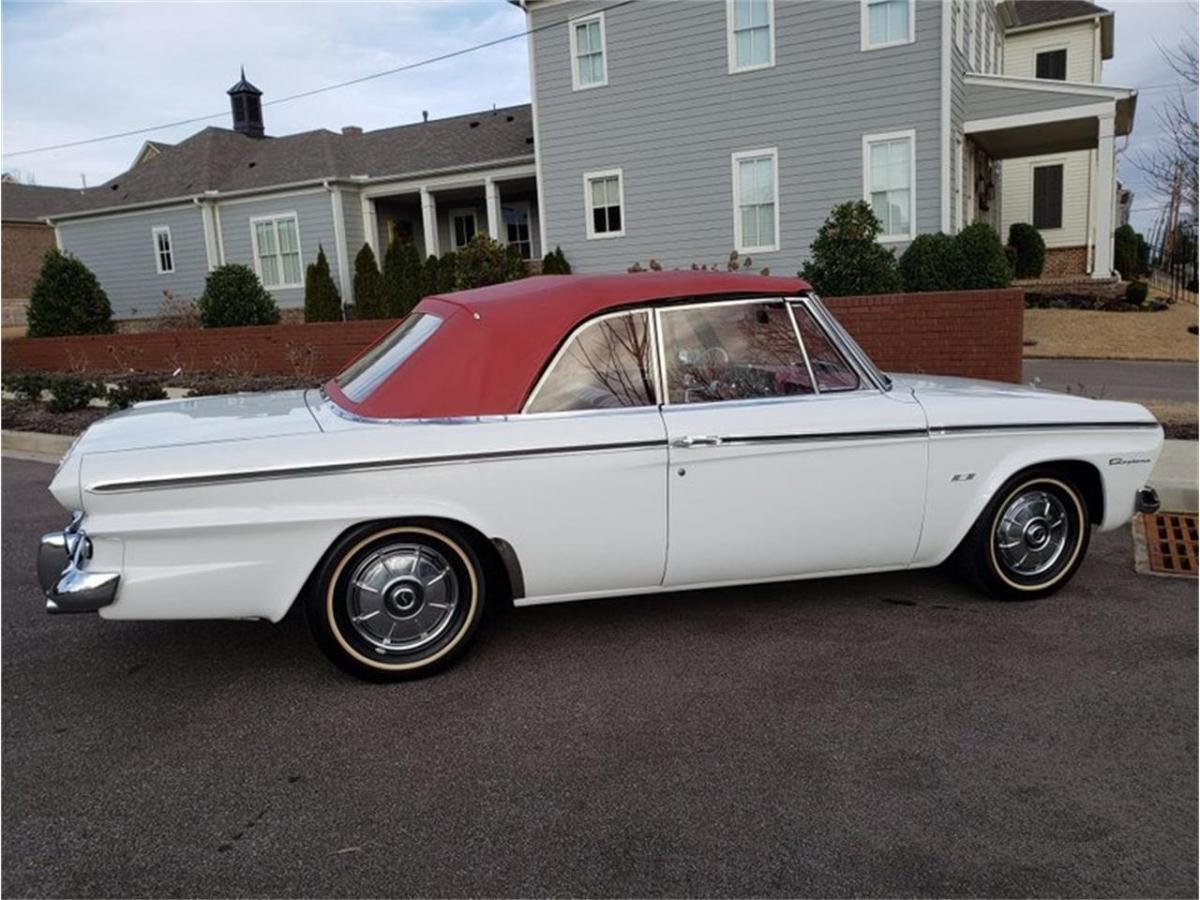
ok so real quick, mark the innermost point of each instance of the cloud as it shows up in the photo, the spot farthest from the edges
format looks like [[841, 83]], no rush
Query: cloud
[[77, 70]]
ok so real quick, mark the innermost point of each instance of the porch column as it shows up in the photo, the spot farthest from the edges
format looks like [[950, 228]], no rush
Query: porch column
[[371, 226], [429, 222], [1102, 199], [492, 192]]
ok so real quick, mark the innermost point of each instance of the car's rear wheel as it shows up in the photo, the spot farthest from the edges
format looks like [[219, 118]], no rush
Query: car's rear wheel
[[397, 601], [1031, 538]]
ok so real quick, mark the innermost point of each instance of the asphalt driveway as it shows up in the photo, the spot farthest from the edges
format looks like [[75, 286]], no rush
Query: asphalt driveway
[[885, 736], [1113, 379]]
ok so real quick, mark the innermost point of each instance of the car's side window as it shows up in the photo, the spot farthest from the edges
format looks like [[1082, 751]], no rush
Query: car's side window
[[829, 367], [607, 364], [732, 351]]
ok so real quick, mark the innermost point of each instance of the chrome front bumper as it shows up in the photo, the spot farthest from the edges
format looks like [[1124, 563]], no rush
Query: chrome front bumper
[[67, 585]]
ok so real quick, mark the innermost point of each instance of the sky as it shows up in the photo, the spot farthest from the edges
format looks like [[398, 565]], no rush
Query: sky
[[77, 70]]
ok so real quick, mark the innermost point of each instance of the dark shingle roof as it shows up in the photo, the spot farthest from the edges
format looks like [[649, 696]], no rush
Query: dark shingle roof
[[30, 202], [1041, 12], [218, 159]]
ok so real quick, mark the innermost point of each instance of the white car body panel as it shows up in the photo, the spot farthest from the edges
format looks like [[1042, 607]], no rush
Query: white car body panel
[[221, 507]]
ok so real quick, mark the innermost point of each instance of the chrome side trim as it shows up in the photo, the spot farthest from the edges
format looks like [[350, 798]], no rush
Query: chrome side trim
[[950, 430], [148, 484], [882, 435]]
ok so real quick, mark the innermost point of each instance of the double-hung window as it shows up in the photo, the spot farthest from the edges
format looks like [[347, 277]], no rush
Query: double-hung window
[[463, 227], [886, 23], [589, 66], [277, 251], [1052, 64], [751, 34], [164, 255], [604, 196], [756, 201], [1048, 196], [888, 174]]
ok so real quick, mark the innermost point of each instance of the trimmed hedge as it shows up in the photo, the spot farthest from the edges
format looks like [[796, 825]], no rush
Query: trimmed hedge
[[846, 259], [932, 262], [67, 299], [1029, 250], [985, 264], [234, 296]]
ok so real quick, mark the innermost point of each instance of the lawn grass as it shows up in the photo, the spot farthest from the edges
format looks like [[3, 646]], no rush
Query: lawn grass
[[1090, 334]]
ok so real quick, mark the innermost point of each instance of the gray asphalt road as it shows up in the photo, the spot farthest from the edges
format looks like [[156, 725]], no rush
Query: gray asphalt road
[[1116, 379], [885, 736]]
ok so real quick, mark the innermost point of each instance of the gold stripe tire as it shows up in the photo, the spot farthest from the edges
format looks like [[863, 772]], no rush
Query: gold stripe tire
[[328, 616], [977, 556]]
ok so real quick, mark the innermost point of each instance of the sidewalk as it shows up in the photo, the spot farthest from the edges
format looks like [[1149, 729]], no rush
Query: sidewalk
[[1175, 476]]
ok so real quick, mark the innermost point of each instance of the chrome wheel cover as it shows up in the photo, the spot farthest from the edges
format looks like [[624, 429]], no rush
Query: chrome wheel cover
[[1031, 534], [402, 598]]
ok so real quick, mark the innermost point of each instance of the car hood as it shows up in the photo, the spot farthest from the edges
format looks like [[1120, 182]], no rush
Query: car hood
[[200, 420], [956, 402]]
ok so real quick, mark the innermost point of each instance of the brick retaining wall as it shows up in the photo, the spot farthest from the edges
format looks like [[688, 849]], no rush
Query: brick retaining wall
[[976, 333]]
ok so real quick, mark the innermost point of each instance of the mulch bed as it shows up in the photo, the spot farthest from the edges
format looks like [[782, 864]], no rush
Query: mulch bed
[[1087, 301], [23, 415]]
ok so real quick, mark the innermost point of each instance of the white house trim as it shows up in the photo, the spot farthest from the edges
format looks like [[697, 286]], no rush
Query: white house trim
[[1019, 120], [429, 223], [865, 27], [154, 234], [276, 217], [910, 135], [338, 207], [370, 225], [207, 211], [572, 24], [491, 195], [283, 195], [731, 42], [944, 136], [1080, 88], [1056, 23], [414, 185], [735, 159], [537, 141], [588, 178], [216, 209]]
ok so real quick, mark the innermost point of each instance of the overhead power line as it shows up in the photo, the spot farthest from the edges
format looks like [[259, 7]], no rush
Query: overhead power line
[[321, 90]]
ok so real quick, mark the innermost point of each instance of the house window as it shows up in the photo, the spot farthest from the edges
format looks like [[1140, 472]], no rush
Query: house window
[[516, 228], [164, 256], [1052, 64], [588, 65], [604, 194], [277, 251], [888, 175], [751, 34], [1047, 196], [755, 201], [886, 23], [463, 227]]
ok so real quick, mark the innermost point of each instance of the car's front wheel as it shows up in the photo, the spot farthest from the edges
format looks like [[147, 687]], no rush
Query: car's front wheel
[[1030, 539], [396, 601]]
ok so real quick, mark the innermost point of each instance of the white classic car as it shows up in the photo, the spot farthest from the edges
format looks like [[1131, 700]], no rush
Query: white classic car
[[567, 437]]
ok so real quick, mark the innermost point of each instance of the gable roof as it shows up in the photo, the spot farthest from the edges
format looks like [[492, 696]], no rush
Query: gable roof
[[219, 159], [1040, 12], [32, 202]]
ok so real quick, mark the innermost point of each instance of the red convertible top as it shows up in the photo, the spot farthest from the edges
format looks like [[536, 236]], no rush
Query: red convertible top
[[493, 342]]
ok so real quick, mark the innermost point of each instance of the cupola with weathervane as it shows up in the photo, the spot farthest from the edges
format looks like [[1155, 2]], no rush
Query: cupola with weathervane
[[246, 101]]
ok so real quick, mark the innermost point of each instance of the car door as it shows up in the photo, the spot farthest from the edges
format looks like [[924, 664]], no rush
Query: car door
[[785, 459]]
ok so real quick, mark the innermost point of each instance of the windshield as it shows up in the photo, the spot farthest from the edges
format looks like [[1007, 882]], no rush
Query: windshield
[[856, 351], [367, 372]]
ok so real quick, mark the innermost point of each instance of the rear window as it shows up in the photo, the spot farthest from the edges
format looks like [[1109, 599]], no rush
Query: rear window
[[366, 373]]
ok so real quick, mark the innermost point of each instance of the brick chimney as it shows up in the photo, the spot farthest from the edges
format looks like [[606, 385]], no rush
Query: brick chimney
[[351, 131]]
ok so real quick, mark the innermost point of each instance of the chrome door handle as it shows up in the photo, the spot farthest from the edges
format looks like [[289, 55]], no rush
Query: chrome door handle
[[700, 440]]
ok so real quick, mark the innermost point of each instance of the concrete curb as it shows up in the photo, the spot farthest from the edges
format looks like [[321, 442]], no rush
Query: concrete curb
[[35, 445], [1175, 476]]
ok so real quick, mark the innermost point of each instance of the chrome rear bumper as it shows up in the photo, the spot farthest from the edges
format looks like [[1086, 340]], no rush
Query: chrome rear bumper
[[67, 585]]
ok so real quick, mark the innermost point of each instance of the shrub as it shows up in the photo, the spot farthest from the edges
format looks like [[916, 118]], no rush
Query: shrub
[[1029, 248], [555, 263], [368, 286], [322, 303], [448, 272], [135, 389], [67, 299], [514, 268], [482, 262], [1131, 253], [845, 257], [430, 276], [401, 277], [985, 264], [71, 392], [234, 296], [932, 262], [1137, 292], [27, 385]]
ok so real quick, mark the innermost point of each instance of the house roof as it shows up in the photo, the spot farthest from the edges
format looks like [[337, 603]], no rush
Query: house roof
[[1041, 12], [494, 342], [32, 202], [219, 159]]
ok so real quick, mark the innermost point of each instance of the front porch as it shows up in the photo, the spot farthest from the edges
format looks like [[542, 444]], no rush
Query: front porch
[[443, 214], [1010, 118]]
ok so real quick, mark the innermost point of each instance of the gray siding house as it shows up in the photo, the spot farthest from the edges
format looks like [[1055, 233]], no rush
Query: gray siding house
[[678, 131], [237, 195], [682, 131]]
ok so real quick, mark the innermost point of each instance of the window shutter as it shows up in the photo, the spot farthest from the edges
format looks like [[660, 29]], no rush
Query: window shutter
[[1047, 196]]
